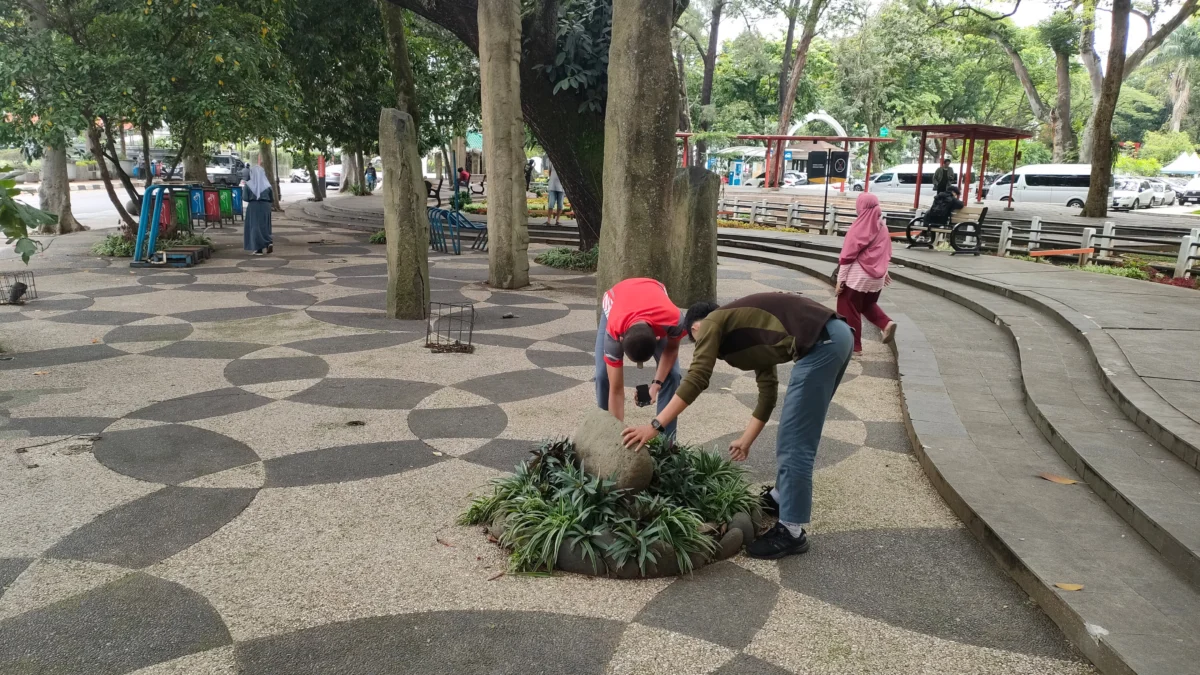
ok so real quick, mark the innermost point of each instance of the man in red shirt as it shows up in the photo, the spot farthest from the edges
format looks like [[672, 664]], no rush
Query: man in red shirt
[[638, 321]]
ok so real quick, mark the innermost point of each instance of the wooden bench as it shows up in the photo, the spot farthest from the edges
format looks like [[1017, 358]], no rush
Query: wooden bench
[[963, 230]]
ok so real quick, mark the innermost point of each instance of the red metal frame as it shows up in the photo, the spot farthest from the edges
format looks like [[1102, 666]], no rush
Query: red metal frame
[[775, 147], [966, 134]]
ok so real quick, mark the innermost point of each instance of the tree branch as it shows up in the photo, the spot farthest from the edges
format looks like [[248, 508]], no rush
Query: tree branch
[[1155, 39]]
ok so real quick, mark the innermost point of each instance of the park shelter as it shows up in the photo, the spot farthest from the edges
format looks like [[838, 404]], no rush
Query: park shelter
[[775, 147], [966, 134], [1186, 164]]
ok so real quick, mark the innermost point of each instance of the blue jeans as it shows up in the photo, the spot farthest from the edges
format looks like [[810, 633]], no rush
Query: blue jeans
[[665, 393], [554, 200], [815, 378]]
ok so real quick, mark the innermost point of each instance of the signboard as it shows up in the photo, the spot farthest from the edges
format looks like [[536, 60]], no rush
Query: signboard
[[712, 162], [736, 179], [828, 166], [321, 166], [787, 155], [884, 131], [839, 163]]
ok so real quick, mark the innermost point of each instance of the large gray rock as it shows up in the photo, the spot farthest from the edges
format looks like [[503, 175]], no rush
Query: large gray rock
[[405, 219], [743, 522], [598, 445], [504, 142], [640, 121], [694, 236], [730, 544], [572, 559]]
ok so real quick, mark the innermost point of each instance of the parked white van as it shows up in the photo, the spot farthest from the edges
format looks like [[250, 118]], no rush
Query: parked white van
[[1065, 184], [902, 180]]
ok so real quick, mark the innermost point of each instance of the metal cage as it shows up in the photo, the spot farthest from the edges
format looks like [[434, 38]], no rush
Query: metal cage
[[450, 327], [11, 291]]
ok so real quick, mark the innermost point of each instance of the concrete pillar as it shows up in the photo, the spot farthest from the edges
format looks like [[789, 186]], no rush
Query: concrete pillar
[[504, 142], [639, 145], [405, 220], [694, 236]]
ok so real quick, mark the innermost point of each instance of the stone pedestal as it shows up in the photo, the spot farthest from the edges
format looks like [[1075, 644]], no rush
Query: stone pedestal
[[405, 220], [504, 142], [639, 145], [694, 236]]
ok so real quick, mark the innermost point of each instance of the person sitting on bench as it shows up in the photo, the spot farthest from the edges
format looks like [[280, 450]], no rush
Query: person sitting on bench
[[939, 213]]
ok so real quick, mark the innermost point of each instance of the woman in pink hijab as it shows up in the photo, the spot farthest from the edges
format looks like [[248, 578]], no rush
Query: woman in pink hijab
[[863, 270]]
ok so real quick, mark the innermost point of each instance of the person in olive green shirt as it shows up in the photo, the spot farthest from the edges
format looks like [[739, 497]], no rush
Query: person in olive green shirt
[[943, 177], [757, 333]]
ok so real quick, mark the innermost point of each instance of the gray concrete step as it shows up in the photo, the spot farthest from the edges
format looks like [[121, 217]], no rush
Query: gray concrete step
[[980, 441]]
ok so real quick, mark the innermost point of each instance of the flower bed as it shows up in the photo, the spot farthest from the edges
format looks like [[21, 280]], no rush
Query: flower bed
[[552, 515]]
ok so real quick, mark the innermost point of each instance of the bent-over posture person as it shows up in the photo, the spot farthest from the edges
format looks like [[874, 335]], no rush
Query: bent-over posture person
[[638, 320], [759, 332]]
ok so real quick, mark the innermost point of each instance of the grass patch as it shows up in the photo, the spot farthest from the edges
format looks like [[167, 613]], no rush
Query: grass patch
[[118, 246], [377, 237], [566, 258], [551, 502], [737, 224], [1127, 272]]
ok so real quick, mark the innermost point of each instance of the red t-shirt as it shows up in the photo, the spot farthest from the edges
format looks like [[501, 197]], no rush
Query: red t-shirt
[[632, 301]]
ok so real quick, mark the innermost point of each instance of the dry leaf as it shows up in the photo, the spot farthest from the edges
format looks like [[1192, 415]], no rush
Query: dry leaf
[[496, 576], [437, 454], [95, 340], [1070, 587], [1061, 480], [492, 539], [42, 372], [443, 542]]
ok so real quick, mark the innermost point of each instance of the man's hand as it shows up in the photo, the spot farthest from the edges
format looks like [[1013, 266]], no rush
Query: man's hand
[[636, 437], [838, 289], [739, 449], [654, 389]]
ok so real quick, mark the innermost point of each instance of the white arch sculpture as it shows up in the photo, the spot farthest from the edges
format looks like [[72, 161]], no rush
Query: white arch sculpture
[[819, 115]]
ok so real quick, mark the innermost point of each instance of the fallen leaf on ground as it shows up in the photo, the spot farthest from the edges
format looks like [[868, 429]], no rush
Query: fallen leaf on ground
[[42, 372], [443, 542], [95, 340], [438, 454], [492, 539], [1061, 480], [496, 576], [1070, 587]]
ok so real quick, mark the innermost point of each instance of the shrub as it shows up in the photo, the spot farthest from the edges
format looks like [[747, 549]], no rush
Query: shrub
[[120, 246], [378, 237], [1128, 272], [359, 190], [550, 501], [566, 258], [721, 222], [464, 198]]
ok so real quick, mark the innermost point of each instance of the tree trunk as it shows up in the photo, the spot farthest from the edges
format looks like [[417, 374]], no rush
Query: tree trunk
[[405, 222], [121, 122], [504, 142], [93, 135], [1040, 110], [801, 58], [1091, 63], [194, 166], [348, 171], [1064, 135], [1102, 146], [1181, 92], [360, 168], [146, 155], [706, 84], [318, 186], [685, 119], [111, 145], [54, 194], [785, 66], [266, 158], [397, 49]]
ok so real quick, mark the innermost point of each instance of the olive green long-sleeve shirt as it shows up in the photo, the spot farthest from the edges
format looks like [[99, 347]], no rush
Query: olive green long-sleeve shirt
[[756, 333]]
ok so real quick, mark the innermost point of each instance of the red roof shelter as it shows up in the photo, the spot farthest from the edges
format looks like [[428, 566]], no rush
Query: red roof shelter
[[775, 147], [967, 134]]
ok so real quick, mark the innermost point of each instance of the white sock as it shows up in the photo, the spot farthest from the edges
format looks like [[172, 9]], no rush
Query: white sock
[[795, 529], [775, 494]]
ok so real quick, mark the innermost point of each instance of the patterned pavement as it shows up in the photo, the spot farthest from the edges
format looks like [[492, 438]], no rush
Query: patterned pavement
[[245, 467]]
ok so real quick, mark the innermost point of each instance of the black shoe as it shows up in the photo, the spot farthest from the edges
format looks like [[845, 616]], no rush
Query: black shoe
[[770, 507], [777, 543]]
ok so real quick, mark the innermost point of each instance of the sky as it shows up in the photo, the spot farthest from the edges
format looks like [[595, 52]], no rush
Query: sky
[[1028, 13]]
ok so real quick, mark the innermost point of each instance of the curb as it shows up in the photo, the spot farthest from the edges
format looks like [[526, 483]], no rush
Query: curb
[[73, 188]]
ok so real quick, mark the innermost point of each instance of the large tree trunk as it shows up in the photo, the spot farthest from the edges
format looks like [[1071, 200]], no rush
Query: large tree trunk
[[815, 8], [1181, 93], [360, 168], [685, 119], [706, 84], [110, 146], [786, 65], [1064, 135], [639, 157], [93, 135], [318, 185], [266, 157], [1091, 63], [1039, 108], [1102, 150], [504, 142], [397, 49], [146, 155], [194, 165], [54, 194], [404, 221], [349, 172]]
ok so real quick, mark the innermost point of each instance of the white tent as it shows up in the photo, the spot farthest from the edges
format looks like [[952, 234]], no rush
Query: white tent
[[1186, 164]]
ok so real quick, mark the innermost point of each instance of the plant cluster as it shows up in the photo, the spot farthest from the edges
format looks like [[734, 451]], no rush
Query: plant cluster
[[17, 220], [551, 501], [378, 237], [120, 246], [565, 258]]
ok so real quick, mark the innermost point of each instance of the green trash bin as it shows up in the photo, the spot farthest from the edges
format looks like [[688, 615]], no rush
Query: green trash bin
[[183, 219], [225, 195]]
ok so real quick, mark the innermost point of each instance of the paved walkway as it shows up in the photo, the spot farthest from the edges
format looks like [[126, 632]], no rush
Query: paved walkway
[[244, 467]]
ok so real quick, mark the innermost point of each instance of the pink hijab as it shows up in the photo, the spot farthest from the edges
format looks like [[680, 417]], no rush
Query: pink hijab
[[868, 240]]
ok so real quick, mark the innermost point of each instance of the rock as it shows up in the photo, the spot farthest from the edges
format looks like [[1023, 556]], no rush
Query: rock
[[743, 522], [572, 559], [598, 445], [730, 544], [667, 563], [405, 216], [498, 525]]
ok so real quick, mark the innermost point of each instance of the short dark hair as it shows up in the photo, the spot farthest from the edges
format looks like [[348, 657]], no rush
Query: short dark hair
[[945, 160], [639, 342], [953, 189], [697, 312]]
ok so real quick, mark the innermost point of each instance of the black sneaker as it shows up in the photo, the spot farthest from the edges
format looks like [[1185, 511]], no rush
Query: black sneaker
[[770, 507], [777, 543]]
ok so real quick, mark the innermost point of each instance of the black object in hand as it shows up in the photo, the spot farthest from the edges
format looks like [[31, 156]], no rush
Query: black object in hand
[[643, 395]]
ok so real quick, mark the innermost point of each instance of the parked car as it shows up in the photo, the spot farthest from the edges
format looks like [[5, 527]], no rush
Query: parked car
[[902, 180], [1190, 192], [1164, 194], [224, 170], [299, 175], [333, 175], [1132, 193], [795, 178], [1065, 184]]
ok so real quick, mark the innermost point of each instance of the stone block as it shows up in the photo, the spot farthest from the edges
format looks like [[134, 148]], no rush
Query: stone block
[[693, 236], [598, 445]]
